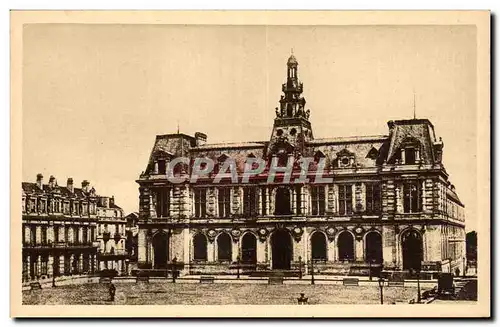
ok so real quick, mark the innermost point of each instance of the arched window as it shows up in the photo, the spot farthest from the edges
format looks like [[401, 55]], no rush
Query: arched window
[[318, 246], [224, 250], [373, 248], [200, 247], [160, 250], [412, 245], [346, 246], [249, 248]]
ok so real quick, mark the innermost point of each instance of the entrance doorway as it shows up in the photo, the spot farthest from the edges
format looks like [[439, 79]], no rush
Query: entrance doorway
[[412, 250], [160, 250], [281, 245], [283, 202], [249, 249]]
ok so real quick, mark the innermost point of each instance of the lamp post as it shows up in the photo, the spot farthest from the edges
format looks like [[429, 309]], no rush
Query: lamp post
[[465, 266], [238, 263], [312, 271], [381, 286], [418, 285], [300, 267], [54, 272], [370, 267], [174, 268]]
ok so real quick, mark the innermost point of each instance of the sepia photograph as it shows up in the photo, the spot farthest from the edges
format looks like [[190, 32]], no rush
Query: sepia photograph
[[215, 163]]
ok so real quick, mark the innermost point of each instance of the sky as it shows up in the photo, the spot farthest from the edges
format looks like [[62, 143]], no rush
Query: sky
[[95, 96]]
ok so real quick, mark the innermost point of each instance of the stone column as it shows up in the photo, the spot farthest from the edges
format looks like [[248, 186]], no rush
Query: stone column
[[141, 246], [50, 265], [299, 248], [399, 198], [235, 249], [292, 201], [359, 250], [211, 248], [187, 248], [61, 264], [38, 235], [272, 201], [389, 237], [332, 256], [261, 251], [50, 234]]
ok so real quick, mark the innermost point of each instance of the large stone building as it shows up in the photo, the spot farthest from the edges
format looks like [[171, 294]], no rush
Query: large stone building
[[60, 229], [389, 201]]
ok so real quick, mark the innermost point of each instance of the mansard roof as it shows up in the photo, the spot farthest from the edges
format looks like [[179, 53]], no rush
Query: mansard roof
[[420, 131], [32, 188]]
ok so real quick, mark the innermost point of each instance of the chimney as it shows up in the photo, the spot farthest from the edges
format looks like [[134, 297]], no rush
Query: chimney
[[105, 202], [52, 181], [85, 186], [69, 184], [112, 201], [39, 181], [201, 138]]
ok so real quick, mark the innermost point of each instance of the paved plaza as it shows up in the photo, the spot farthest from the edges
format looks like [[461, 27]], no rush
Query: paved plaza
[[217, 294]]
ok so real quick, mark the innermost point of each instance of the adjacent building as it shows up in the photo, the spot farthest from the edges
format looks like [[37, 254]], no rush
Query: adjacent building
[[111, 236], [389, 203], [61, 228]]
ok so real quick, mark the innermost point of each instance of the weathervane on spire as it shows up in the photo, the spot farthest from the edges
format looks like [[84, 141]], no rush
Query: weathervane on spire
[[178, 131]]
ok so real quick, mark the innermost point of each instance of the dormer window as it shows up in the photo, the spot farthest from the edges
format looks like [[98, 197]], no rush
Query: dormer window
[[409, 153], [162, 167], [410, 158], [345, 159]]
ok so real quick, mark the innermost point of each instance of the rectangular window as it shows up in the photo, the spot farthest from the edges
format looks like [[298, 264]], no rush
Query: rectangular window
[[318, 200], [44, 265], [411, 195], [85, 235], [66, 234], [76, 235], [298, 200], [250, 201], [162, 203], [410, 157], [224, 202], [162, 167], [92, 234], [44, 235], [264, 201], [373, 198], [33, 235], [345, 199], [200, 202], [56, 234]]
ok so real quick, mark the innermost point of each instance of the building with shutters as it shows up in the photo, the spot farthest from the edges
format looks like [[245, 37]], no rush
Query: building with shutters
[[387, 201], [61, 229]]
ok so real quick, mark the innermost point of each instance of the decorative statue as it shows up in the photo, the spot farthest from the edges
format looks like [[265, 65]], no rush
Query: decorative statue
[[308, 112], [277, 112]]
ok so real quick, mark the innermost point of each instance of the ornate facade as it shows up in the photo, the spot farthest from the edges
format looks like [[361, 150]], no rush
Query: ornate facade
[[389, 201], [60, 227]]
